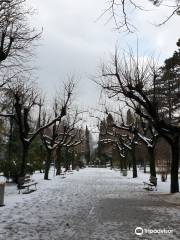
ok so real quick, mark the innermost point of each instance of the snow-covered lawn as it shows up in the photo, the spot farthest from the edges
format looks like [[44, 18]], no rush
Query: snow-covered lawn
[[90, 204]]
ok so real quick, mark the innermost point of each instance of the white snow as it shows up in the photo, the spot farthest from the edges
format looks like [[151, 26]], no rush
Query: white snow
[[92, 203]]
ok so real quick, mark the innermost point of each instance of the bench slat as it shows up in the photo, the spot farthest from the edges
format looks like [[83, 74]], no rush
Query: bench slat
[[150, 184], [30, 184]]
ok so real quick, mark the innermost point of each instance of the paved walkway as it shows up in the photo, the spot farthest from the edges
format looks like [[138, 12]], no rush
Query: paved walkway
[[93, 204]]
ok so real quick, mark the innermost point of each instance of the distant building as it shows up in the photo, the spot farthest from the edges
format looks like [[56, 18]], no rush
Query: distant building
[[163, 155], [107, 150]]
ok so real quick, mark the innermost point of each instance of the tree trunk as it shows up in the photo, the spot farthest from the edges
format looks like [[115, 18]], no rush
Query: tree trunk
[[120, 163], [134, 162], [67, 167], [175, 166], [67, 162], [73, 162], [129, 166], [125, 163], [152, 162], [47, 165], [25, 149], [144, 165], [58, 161]]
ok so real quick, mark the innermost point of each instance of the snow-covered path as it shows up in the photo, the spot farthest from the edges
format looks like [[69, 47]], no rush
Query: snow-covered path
[[90, 204]]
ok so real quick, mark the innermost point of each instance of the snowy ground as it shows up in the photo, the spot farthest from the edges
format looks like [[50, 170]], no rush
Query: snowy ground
[[92, 204]]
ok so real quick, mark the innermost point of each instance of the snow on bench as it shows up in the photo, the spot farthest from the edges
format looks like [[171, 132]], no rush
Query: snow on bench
[[151, 185], [26, 182]]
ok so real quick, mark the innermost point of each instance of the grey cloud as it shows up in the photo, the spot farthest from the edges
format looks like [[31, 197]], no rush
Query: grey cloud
[[74, 42]]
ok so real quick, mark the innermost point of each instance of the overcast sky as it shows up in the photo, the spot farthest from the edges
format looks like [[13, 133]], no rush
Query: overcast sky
[[74, 42]]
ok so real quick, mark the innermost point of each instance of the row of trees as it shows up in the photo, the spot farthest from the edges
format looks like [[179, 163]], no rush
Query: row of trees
[[152, 92], [127, 140], [28, 129]]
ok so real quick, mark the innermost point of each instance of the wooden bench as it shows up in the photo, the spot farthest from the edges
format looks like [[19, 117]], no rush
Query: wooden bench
[[26, 182], [150, 186], [63, 175]]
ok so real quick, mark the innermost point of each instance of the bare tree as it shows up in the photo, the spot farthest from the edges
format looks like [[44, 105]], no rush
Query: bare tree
[[17, 40], [139, 135], [121, 10], [25, 99], [17, 36], [126, 137], [130, 79], [72, 135], [62, 134]]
